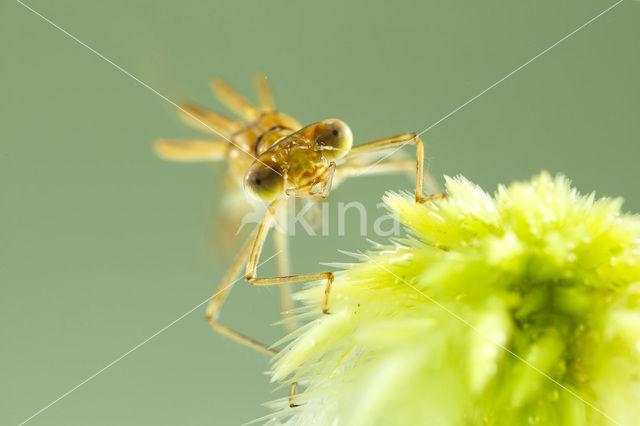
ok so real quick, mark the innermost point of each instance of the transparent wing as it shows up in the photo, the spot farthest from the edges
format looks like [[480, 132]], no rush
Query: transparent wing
[[191, 149], [234, 101], [209, 121]]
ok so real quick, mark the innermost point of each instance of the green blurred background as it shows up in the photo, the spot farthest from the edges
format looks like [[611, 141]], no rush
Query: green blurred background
[[103, 244]]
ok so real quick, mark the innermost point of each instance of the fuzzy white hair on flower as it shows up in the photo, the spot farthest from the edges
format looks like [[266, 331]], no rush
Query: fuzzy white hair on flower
[[521, 308]]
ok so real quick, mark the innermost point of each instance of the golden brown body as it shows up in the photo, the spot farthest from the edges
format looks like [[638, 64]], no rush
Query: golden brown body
[[275, 158]]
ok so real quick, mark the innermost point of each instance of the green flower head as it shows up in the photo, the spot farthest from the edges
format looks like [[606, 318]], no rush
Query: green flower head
[[517, 309]]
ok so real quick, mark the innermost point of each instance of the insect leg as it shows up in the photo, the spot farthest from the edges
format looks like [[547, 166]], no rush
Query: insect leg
[[399, 141], [254, 256], [292, 394], [281, 240], [215, 305], [383, 167], [393, 166], [234, 101], [264, 93]]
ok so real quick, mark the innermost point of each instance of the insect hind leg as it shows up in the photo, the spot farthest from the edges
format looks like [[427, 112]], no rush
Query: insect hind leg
[[220, 296]]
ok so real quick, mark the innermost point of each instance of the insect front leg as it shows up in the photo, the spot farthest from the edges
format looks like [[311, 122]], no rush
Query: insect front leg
[[281, 240], [256, 250], [292, 395], [398, 142]]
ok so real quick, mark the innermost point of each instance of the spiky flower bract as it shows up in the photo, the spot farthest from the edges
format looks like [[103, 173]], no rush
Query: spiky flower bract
[[517, 309]]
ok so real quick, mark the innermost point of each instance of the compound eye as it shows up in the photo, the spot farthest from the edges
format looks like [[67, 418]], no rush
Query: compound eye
[[263, 182], [335, 134]]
